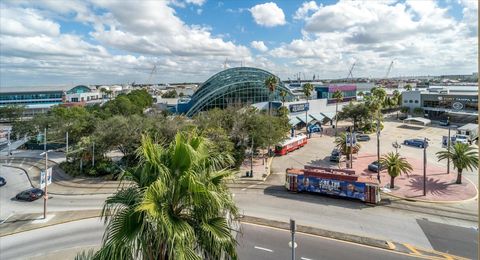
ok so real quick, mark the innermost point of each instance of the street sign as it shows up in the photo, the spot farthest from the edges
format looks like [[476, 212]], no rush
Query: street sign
[[354, 141], [42, 178]]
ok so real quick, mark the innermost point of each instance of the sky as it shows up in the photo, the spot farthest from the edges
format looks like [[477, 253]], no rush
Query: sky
[[55, 42]]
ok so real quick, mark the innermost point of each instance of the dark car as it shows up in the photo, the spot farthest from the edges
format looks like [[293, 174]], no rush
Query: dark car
[[2, 181], [374, 166], [444, 122], [30, 194], [335, 156], [416, 142], [362, 137]]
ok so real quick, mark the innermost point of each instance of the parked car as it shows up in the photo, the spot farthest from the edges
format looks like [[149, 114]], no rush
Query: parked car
[[335, 156], [445, 122], [2, 181], [362, 137], [30, 194], [416, 142], [374, 166]]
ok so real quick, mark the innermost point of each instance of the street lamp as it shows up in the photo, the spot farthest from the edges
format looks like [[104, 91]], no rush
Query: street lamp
[[448, 146], [397, 146], [425, 144], [378, 149], [45, 191]]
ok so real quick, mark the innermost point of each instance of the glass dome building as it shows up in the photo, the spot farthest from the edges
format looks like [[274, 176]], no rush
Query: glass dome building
[[242, 85]]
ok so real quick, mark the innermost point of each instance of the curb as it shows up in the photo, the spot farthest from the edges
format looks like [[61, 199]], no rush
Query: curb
[[97, 215], [321, 232], [25, 171], [436, 201], [269, 163]]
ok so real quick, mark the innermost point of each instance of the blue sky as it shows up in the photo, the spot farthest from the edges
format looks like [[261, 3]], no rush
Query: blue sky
[[51, 42]]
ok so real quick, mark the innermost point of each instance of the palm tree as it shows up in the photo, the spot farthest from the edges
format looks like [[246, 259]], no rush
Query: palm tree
[[307, 91], [341, 144], [177, 207], [338, 96], [395, 166], [271, 83], [462, 156], [283, 96], [408, 87]]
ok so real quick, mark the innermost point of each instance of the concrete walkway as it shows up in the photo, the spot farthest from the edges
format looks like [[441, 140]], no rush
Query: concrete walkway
[[440, 186]]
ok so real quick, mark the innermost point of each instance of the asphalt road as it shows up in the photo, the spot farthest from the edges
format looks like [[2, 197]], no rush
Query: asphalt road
[[258, 242], [255, 242], [17, 181]]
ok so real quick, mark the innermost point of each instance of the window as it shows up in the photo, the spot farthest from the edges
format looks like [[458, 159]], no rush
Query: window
[[405, 101], [416, 101], [410, 101]]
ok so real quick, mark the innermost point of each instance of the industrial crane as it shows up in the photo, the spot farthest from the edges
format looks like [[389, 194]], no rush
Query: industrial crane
[[389, 69], [350, 71]]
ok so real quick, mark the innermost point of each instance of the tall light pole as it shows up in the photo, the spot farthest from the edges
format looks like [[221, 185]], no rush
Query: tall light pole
[[378, 149], [66, 142], [251, 160], [449, 140], [9, 142], [45, 190], [93, 154], [45, 140], [425, 144]]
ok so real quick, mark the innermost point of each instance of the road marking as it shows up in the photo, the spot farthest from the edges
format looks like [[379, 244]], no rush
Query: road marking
[[411, 248], [264, 249], [251, 186], [304, 258]]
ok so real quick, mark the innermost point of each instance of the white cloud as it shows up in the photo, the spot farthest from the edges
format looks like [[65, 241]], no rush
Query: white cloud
[[259, 45], [421, 36], [304, 10], [196, 2], [268, 14], [199, 11]]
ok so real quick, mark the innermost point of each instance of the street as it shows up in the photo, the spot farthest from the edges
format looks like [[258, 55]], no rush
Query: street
[[259, 242], [255, 242]]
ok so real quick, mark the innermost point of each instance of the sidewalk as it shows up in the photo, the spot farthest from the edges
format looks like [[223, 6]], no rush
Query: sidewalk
[[261, 169], [440, 186]]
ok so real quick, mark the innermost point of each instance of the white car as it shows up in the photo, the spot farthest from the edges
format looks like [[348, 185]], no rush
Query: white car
[[462, 139]]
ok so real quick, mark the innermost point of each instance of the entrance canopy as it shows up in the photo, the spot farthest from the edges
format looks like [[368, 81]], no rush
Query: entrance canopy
[[329, 115], [418, 120], [318, 117], [301, 118], [293, 120]]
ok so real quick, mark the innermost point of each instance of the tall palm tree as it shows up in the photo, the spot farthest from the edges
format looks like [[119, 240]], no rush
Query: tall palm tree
[[462, 156], [177, 207], [395, 166], [283, 96], [307, 91], [271, 83], [338, 96], [341, 144]]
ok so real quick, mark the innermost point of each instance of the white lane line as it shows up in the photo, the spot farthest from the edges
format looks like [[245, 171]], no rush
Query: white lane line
[[304, 258], [263, 248]]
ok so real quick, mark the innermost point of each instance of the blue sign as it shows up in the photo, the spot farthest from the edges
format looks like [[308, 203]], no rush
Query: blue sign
[[299, 107], [349, 189]]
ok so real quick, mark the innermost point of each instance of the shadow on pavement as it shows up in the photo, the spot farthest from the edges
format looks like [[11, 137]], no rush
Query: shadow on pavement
[[281, 192], [433, 186]]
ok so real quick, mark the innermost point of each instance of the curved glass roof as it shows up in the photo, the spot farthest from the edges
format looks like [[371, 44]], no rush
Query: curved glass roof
[[243, 85]]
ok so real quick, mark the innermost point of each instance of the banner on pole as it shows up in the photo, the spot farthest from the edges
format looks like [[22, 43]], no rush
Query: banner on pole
[[49, 178]]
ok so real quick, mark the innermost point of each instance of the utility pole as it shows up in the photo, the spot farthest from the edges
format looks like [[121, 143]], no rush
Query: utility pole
[[66, 142], [93, 154], [351, 148], [251, 160], [45, 140], [9, 143], [292, 230], [425, 166], [378, 150], [448, 149], [45, 191]]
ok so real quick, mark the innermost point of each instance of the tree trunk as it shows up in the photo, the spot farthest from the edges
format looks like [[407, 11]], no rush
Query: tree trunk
[[459, 176], [392, 182]]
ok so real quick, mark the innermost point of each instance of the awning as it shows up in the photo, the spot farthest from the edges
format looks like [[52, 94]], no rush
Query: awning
[[329, 115], [421, 120], [318, 117], [301, 118], [293, 121]]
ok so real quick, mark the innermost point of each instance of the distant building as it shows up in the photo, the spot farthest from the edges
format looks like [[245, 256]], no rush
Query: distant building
[[459, 103]]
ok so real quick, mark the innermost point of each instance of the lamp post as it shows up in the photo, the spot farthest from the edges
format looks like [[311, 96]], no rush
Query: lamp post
[[378, 149], [293, 227], [45, 190], [397, 146], [425, 144], [9, 142], [449, 140]]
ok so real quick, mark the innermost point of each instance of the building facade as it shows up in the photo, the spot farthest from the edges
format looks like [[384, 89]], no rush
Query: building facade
[[349, 92], [235, 86], [458, 104]]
